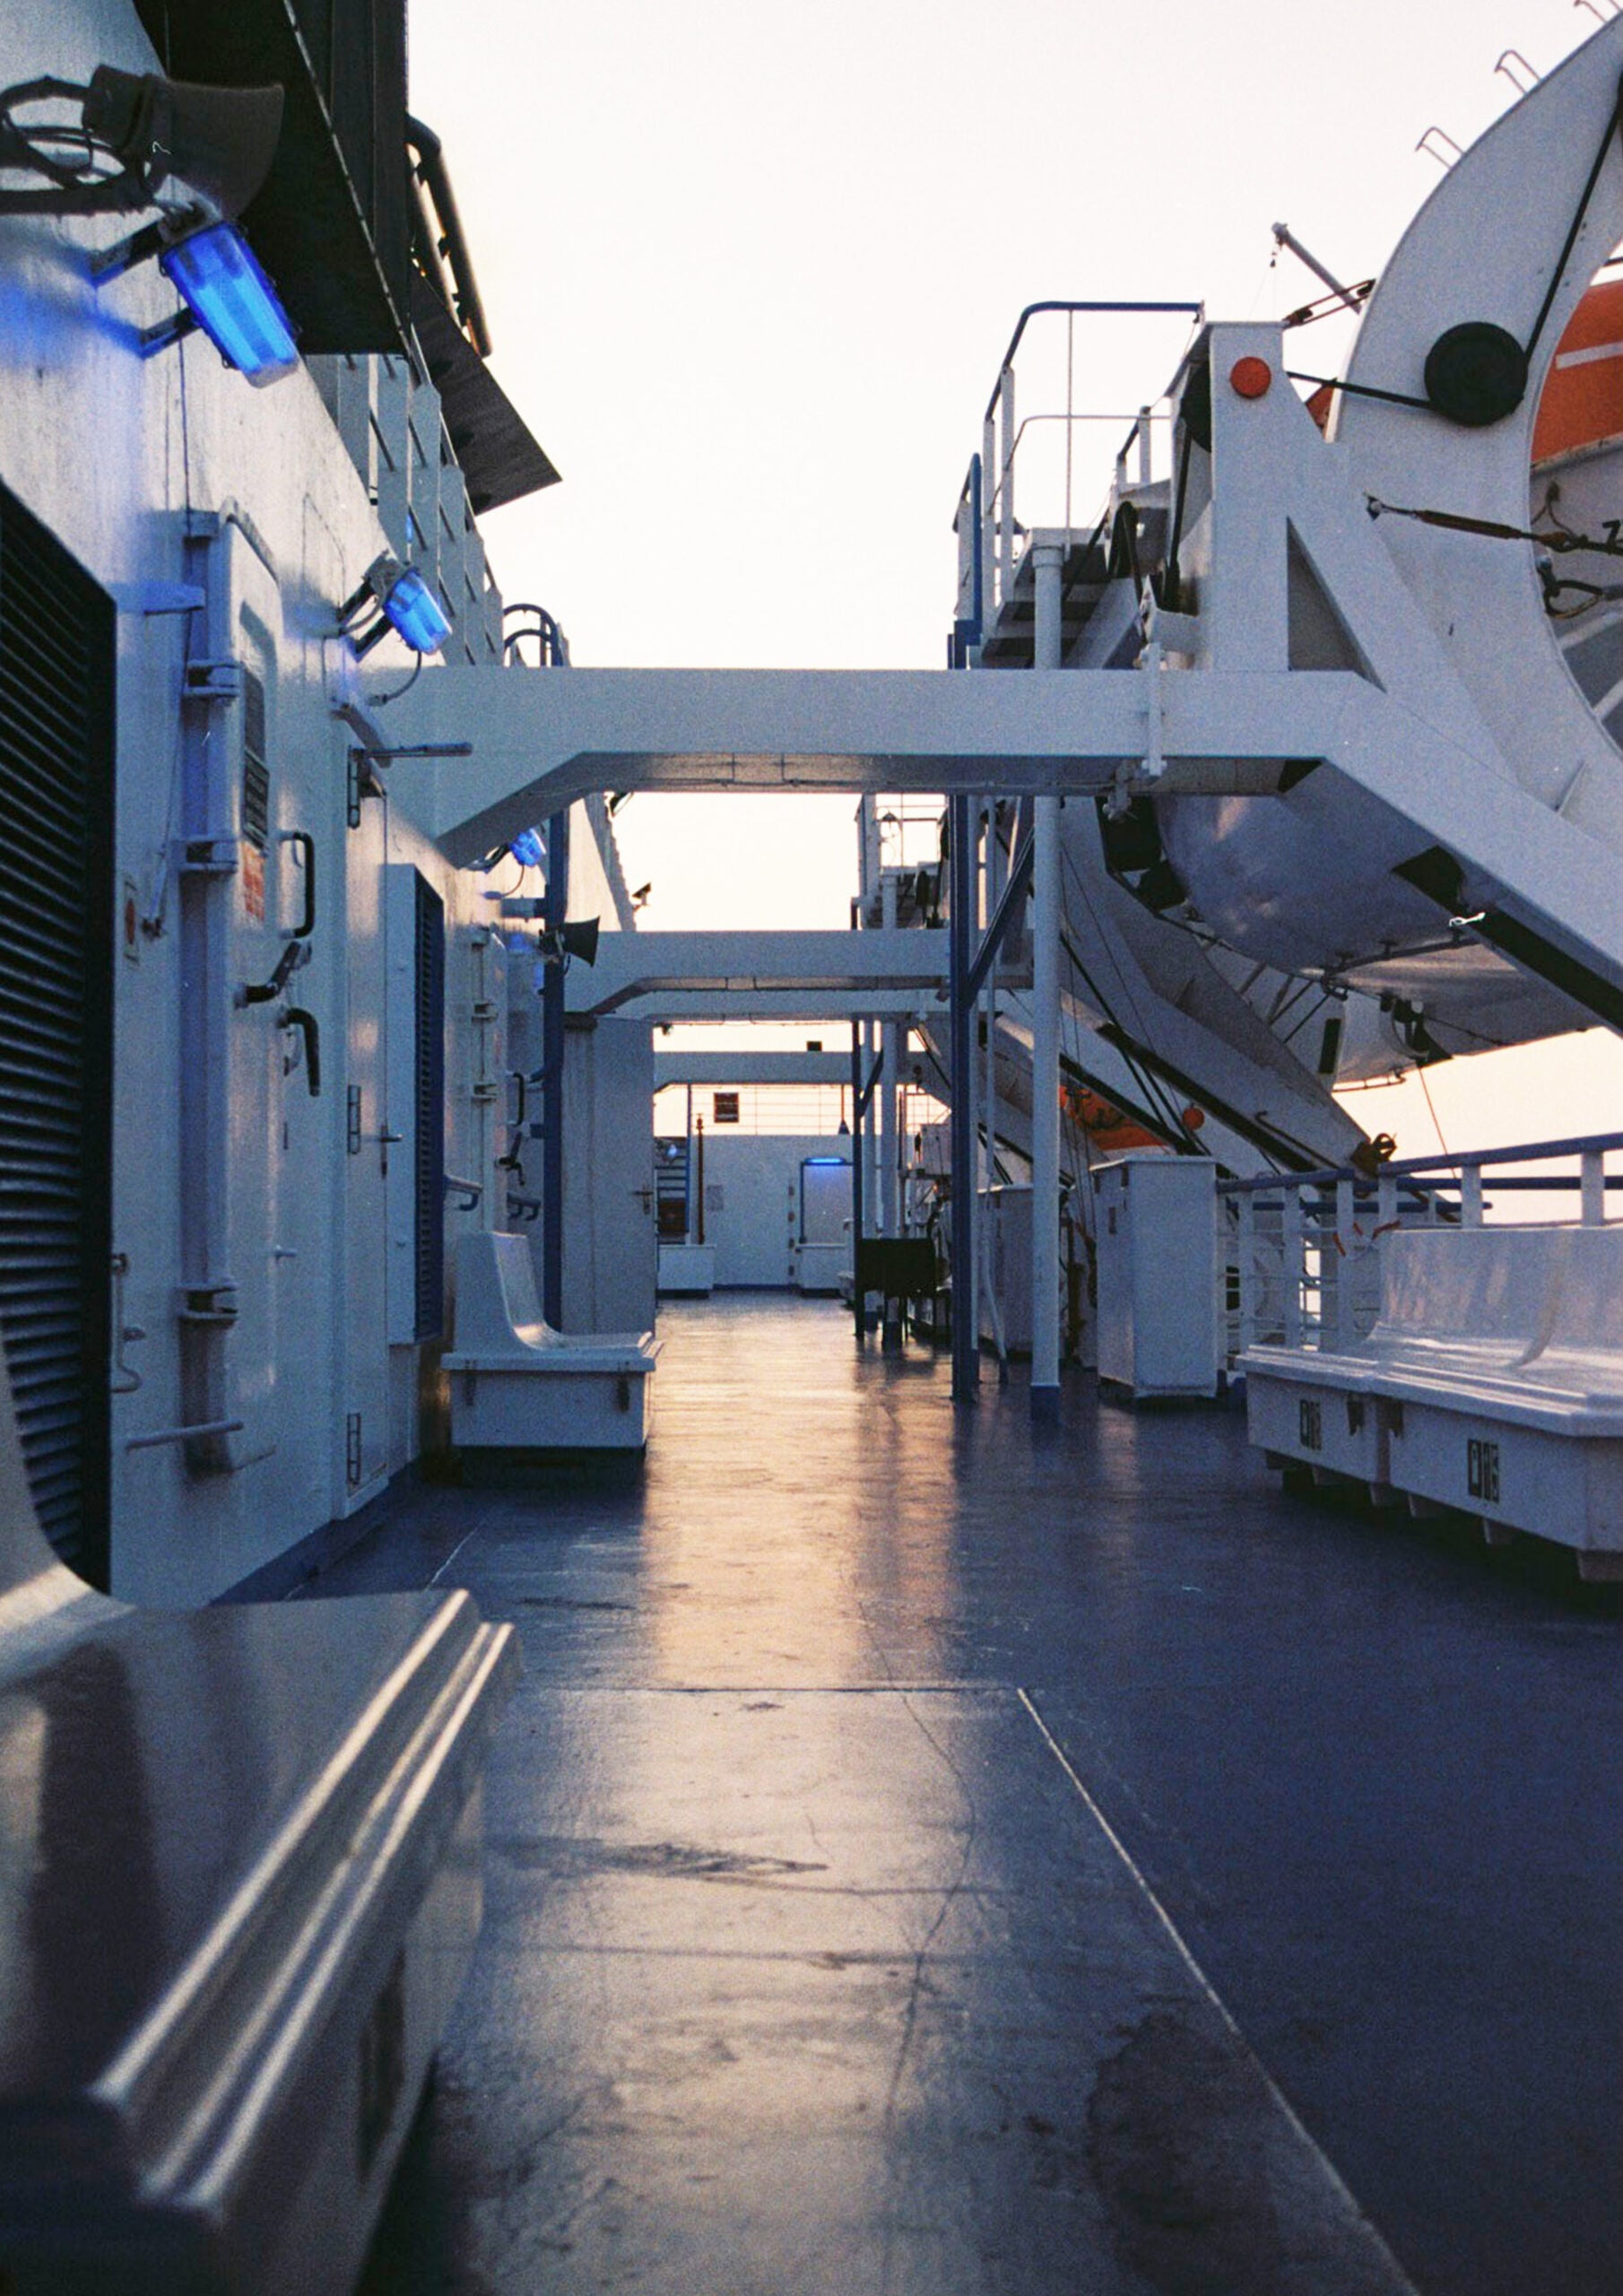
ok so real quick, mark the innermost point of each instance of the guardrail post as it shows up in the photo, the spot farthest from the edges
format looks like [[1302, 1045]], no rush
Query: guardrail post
[[1290, 1263], [1470, 1196], [1591, 1189], [1346, 1329], [1245, 1252]]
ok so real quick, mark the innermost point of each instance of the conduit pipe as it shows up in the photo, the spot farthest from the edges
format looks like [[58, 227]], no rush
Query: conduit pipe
[[207, 892]]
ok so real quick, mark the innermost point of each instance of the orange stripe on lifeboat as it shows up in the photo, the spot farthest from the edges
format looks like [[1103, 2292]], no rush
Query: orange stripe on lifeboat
[[1583, 401]]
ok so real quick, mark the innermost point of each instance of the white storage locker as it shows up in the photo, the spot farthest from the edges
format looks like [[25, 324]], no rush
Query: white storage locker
[[1157, 1295]]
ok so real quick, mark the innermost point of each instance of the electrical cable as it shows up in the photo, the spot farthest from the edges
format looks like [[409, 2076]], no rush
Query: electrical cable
[[1437, 1127], [382, 700]]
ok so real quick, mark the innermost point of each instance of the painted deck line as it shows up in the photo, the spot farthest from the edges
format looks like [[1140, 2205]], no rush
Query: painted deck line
[[1327, 2167]]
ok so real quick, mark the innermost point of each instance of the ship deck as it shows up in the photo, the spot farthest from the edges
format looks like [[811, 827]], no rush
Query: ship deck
[[919, 1846]]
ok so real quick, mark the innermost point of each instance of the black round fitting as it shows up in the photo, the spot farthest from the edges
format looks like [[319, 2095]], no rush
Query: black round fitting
[[1476, 374]]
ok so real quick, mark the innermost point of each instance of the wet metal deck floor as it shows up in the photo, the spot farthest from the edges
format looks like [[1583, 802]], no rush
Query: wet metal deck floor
[[912, 1839]]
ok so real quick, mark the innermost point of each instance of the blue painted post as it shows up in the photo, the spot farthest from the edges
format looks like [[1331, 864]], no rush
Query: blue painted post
[[961, 929]]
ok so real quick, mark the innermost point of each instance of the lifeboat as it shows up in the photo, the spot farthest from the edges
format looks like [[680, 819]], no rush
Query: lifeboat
[[1582, 409]]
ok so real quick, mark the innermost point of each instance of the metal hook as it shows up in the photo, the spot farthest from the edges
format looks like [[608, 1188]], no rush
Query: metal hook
[[1425, 144], [1511, 57]]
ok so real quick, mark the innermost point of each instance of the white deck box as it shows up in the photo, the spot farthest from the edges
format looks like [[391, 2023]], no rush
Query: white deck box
[[519, 1386]]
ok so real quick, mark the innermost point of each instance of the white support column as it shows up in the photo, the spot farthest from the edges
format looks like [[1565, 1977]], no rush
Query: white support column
[[1046, 1034], [871, 1043]]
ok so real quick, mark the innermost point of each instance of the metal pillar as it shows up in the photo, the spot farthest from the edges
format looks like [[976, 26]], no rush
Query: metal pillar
[[960, 927], [1046, 1034], [979, 909], [551, 1079], [890, 1207], [859, 1125], [871, 1046], [994, 878]]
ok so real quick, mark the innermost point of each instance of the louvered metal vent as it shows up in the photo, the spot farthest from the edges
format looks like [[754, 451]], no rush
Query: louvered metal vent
[[255, 771], [430, 1143], [56, 1033]]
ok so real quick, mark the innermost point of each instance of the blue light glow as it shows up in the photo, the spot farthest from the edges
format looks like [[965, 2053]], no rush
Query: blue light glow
[[226, 291], [417, 613], [529, 850]]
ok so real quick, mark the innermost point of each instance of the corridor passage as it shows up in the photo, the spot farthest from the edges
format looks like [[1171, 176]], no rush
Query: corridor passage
[[912, 1836]]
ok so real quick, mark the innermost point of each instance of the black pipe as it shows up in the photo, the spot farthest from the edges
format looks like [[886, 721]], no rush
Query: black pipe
[[306, 843], [294, 1016], [452, 243]]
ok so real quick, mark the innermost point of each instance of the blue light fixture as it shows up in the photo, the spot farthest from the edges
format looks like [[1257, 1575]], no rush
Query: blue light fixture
[[223, 286], [416, 612], [529, 850], [400, 600]]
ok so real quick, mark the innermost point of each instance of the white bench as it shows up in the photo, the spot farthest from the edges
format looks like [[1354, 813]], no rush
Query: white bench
[[518, 1386], [239, 1885], [1492, 1383]]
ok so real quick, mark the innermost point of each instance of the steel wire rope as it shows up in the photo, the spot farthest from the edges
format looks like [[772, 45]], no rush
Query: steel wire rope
[[1158, 1107], [1436, 1125], [1152, 1088]]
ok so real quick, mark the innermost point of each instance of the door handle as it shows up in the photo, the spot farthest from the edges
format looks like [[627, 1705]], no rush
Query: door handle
[[307, 846]]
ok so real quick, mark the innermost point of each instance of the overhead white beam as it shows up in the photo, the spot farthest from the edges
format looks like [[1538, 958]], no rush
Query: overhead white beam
[[539, 739], [743, 1067], [844, 968]]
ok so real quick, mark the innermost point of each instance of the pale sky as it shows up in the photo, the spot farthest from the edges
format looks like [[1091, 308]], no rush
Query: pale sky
[[750, 269]]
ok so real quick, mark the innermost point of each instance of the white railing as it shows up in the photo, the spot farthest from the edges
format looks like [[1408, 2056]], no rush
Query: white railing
[[1301, 1257], [989, 531]]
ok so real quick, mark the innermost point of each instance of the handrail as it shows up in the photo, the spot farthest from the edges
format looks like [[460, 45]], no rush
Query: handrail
[[1136, 421], [1536, 1151], [1034, 310]]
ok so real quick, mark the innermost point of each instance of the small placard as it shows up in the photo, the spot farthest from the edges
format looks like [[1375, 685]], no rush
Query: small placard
[[1482, 1470]]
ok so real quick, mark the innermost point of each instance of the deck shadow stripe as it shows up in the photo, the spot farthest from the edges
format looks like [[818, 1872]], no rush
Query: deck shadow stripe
[[1333, 2176]]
